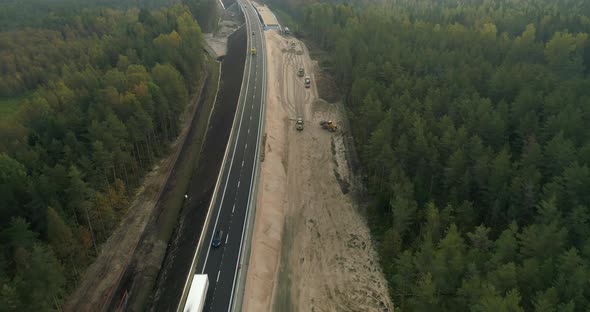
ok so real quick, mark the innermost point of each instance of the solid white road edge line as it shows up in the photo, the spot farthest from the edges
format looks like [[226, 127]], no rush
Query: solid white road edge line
[[254, 170], [231, 163], [192, 269]]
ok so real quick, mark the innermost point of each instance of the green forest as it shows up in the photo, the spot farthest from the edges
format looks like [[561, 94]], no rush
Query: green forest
[[15, 14], [99, 91], [471, 121]]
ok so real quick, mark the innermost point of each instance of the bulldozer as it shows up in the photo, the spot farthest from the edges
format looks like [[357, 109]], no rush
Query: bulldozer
[[328, 125]]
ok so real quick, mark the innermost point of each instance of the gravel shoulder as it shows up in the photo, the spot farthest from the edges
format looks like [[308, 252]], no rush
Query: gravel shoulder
[[311, 248]]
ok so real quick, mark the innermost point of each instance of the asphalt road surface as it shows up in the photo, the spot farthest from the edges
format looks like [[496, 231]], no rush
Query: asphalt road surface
[[178, 265], [230, 208]]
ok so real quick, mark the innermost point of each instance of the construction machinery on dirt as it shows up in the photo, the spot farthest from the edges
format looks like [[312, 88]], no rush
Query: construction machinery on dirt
[[299, 123], [329, 125]]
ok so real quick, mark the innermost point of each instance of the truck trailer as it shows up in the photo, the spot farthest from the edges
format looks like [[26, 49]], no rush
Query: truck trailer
[[195, 301]]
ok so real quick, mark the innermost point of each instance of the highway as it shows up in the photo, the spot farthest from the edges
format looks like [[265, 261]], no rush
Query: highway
[[231, 201]]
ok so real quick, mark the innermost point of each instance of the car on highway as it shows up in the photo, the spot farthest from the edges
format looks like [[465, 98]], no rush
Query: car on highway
[[253, 51], [216, 242], [307, 82], [252, 33], [299, 123], [300, 72]]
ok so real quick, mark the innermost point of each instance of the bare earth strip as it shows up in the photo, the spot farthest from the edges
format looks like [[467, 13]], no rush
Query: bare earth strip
[[100, 276], [311, 249]]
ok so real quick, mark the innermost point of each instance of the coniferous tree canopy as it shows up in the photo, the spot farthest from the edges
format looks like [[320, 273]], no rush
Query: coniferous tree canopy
[[471, 119], [102, 86]]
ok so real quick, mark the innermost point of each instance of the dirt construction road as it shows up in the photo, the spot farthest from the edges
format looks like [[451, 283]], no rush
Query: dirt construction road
[[311, 249]]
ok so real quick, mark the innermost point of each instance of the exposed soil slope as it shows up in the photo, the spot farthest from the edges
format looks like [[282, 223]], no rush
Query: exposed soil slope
[[311, 249]]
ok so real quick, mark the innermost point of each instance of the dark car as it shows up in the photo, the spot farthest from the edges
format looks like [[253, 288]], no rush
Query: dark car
[[217, 238]]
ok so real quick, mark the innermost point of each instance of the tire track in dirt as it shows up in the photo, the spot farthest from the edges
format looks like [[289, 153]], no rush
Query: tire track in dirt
[[311, 249]]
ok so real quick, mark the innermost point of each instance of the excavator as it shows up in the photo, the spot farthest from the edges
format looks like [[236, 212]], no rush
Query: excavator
[[328, 125]]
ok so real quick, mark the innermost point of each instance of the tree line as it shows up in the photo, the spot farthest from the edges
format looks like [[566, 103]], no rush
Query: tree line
[[17, 14], [471, 122], [105, 89]]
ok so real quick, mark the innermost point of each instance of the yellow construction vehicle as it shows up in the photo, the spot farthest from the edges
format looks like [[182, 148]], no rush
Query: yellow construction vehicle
[[328, 125]]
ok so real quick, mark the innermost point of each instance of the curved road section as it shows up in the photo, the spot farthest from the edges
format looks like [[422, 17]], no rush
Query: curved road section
[[231, 204]]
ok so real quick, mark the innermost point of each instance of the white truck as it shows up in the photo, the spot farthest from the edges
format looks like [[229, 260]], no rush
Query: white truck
[[195, 301]]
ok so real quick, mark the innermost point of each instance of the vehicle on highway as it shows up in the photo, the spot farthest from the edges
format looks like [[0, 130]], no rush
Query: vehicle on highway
[[300, 72], [197, 294], [252, 33], [217, 238], [299, 123], [253, 51], [307, 82]]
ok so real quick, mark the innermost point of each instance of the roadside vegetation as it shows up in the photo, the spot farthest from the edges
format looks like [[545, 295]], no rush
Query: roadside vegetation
[[101, 92], [471, 122], [171, 209]]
